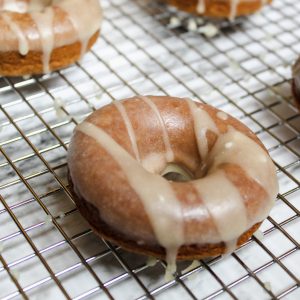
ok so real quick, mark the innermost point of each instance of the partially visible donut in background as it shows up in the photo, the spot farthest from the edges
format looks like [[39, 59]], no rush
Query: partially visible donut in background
[[296, 82], [39, 36], [220, 8]]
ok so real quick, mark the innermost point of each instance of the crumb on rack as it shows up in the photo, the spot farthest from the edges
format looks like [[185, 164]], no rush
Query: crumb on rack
[[209, 30], [192, 25], [58, 104], [268, 285], [26, 77], [199, 21], [174, 22]]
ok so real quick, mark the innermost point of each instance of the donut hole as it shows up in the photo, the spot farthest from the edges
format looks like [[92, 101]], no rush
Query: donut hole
[[175, 172]]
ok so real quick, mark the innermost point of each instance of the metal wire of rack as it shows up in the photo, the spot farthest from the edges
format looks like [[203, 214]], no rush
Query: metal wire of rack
[[46, 247]]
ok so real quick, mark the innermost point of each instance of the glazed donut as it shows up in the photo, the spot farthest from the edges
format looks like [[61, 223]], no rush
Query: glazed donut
[[116, 160], [39, 36], [296, 82], [220, 8]]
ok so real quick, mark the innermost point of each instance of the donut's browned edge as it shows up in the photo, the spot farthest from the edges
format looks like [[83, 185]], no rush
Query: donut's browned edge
[[189, 252], [12, 63], [217, 8], [295, 94]]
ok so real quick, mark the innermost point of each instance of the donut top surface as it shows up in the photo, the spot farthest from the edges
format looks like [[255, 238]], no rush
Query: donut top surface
[[116, 158], [43, 25]]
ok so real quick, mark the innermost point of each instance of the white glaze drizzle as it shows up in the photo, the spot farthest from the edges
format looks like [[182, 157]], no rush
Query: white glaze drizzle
[[23, 46], [129, 128], [233, 9], [222, 115], [159, 200], [225, 205], [44, 23], [201, 7], [236, 148], [151, 261], [166, 139], [81, 18], [203, 124]]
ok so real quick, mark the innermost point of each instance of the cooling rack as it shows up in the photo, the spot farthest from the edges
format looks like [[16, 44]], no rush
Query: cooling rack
[[48, 251]]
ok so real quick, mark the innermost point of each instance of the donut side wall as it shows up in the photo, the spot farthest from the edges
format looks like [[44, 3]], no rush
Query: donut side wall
[[14, 64]]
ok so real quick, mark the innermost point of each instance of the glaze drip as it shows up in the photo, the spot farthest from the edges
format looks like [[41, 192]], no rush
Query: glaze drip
[[85, 21], [225, 205], [158, 198], [22, 40], [233, 9], [169, 151], [44, 23], [203, 124], [129, 129], [201, 7]]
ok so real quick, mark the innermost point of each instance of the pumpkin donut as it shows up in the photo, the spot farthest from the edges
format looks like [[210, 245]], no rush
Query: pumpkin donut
[[118, 155], [220, 8], [39, 36]]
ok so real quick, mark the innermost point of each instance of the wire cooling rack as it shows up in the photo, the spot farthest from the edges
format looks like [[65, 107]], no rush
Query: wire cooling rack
[[47, 250]]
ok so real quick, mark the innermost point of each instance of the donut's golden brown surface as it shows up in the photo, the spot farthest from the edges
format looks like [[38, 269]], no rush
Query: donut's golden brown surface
[[113, 208], [219, 8]]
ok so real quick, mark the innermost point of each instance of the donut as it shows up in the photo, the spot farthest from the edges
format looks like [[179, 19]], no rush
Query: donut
[[116, 161], [296, 82], [39, 36], [220, 8]]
